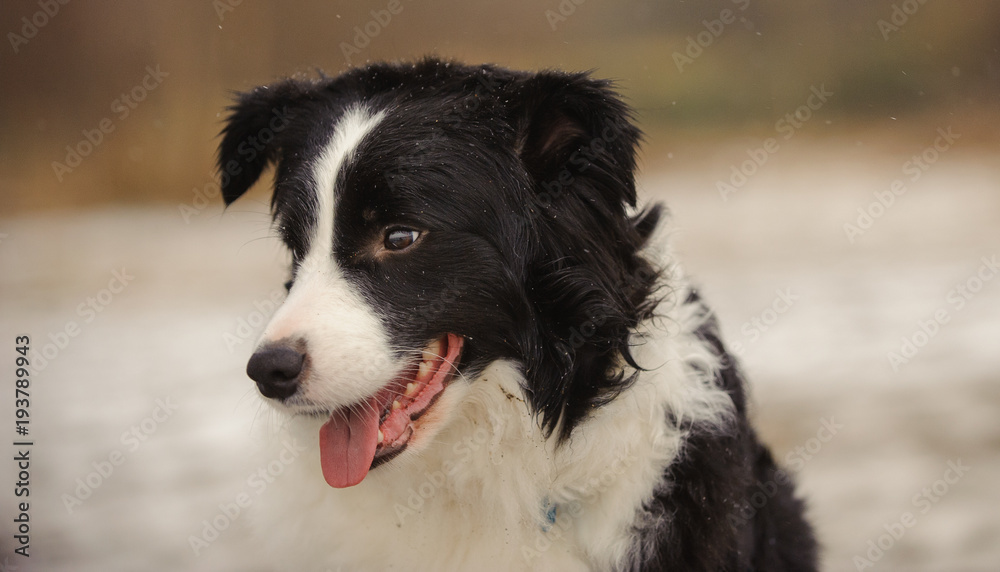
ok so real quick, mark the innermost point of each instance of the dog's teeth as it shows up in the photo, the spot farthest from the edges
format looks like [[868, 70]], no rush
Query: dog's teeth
[[433, 351], [381, 437], [423, 370], [395, 405], [411, 388]]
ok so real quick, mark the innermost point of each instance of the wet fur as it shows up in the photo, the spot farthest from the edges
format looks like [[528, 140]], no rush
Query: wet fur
[[586, 349]]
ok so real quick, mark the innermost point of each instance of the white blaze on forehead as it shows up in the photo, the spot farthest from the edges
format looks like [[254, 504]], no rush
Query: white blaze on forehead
[[350, 130], [349, 350]]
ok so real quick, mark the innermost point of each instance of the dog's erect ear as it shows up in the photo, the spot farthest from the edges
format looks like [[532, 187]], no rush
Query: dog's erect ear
[[574, 127], [253, 134]]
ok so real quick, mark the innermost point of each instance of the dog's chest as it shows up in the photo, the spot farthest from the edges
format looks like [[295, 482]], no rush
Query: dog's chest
[[304, 524]]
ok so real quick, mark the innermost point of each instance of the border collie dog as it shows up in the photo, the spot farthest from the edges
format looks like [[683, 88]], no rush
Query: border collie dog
[[489, 355]]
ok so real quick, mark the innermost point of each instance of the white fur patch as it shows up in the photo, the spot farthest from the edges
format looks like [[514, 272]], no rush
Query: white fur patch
[[350, 357]]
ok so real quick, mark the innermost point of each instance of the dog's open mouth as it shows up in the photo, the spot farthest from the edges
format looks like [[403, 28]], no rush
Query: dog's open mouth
[[358, 438]]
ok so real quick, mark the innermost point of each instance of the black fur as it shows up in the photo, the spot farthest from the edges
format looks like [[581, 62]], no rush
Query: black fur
[[523, 185], [711, 518]]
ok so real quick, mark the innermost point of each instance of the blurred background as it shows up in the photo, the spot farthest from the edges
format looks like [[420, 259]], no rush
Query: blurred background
[[776, 132]]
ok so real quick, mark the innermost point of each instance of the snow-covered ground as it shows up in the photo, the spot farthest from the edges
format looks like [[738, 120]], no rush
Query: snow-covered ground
[[148, 386]]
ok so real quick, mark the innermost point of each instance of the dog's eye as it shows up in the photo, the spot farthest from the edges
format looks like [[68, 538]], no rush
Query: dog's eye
[[400, 238]]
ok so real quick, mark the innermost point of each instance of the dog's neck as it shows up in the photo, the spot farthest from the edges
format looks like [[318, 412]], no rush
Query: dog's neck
[[492, 482], [586, 491]]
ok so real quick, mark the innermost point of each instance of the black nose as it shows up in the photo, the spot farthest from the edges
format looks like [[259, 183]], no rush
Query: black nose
[[276, 370]]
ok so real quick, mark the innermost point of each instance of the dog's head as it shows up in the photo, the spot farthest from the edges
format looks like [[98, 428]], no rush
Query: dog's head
[[442, 217]]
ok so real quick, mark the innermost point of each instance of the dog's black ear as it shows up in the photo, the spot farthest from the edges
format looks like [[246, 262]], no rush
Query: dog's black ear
[[253, 133], [591, 285], [573, 129]]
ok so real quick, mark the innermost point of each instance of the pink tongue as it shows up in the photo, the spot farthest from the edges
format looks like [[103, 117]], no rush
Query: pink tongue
[[347, 445]]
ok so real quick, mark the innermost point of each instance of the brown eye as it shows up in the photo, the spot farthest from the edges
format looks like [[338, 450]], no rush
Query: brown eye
[[400, 238]]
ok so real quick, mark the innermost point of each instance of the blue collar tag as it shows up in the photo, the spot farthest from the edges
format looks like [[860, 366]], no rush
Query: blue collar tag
[[549, 512]]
